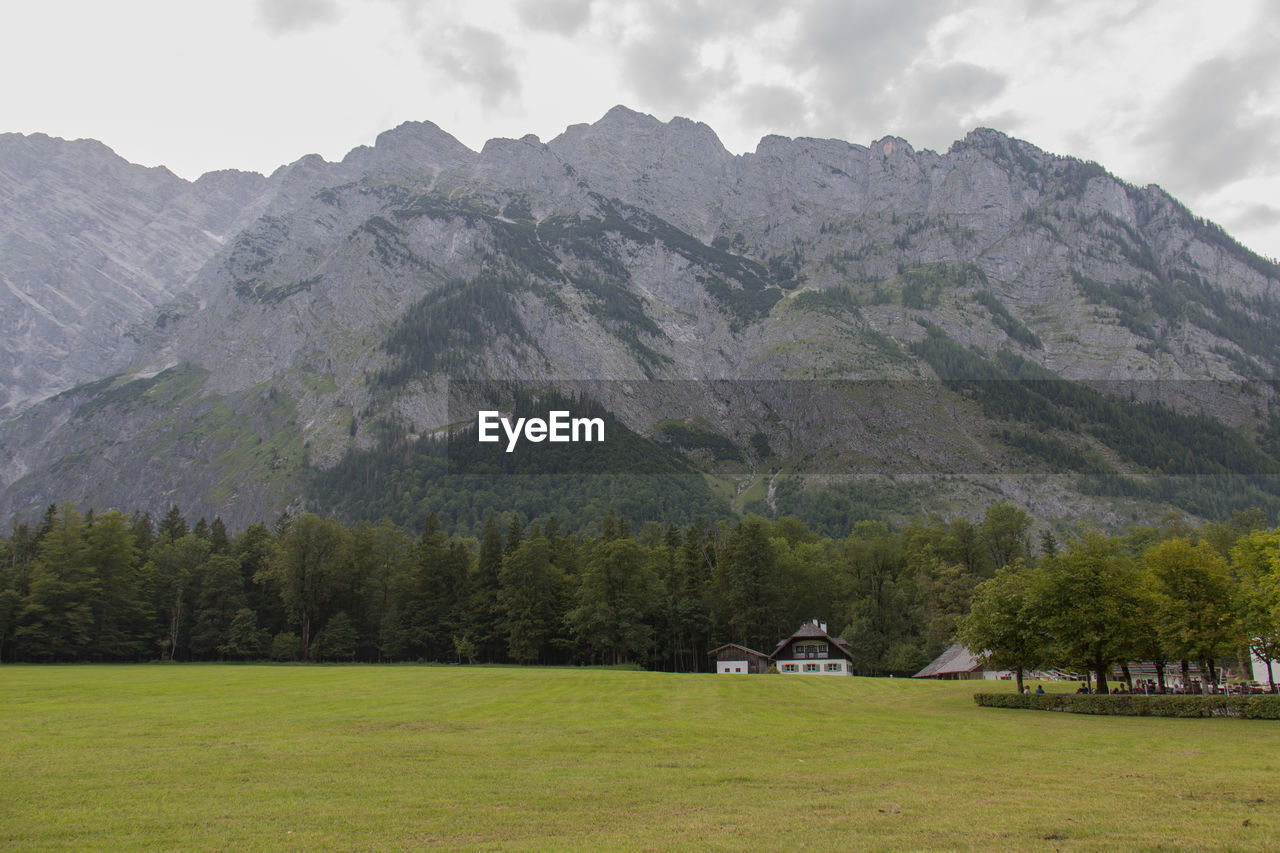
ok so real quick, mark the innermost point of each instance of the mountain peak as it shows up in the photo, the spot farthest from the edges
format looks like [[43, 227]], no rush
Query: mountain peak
[[529, 140], [993, 142], [307, 164], [889, 145], [985, 135], [411, 144], [623, 132], [625, 115], [419, 133], [23, 153]]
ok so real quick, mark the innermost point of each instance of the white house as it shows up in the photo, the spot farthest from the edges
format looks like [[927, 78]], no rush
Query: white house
[[812, 651]]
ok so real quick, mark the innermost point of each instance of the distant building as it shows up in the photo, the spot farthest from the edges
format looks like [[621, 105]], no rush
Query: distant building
[[813, 651], [733, 658], [954, 664]]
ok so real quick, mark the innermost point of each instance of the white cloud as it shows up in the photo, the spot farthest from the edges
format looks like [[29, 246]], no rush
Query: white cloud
[[289, 16], [1220, 123], [476, 58], [564, 17]]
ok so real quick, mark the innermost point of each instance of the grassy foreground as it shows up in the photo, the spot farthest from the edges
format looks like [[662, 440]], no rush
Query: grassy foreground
[[266, 757]]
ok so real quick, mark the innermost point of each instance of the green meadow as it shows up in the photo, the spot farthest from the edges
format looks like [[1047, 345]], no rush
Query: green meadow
[[228, 757]]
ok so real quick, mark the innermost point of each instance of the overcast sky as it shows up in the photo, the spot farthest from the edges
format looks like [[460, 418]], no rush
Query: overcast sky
[[1158, 91]]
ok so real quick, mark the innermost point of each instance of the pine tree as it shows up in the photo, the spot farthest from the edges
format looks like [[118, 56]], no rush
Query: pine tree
[[528, 597], [485, 621], [433, 605], [515, 533], [120, 618], [339, 640], [173, 527], [688, 590], [749, 586], [57, 621], [218, 536], [144, 535]]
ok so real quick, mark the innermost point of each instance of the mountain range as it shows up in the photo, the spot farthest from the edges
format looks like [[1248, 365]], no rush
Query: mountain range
[[816, 328]]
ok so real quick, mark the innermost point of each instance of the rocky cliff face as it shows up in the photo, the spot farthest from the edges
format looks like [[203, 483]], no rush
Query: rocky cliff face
[[90, 247], [285, 317]]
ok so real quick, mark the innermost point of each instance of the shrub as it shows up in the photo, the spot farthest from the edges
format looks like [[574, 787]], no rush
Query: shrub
[[1129, 705], [286, 647]]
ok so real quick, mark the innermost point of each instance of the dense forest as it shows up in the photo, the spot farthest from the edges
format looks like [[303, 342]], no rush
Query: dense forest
[[115, 587]]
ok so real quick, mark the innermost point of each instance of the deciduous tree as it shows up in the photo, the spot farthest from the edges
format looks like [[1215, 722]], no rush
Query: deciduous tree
[[1256, 560], [307, 566], [1090, 596], [618, 597], [1006, 623], [1193, 595]]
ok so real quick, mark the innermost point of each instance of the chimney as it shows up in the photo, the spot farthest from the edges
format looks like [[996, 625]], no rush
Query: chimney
[[823, 626]]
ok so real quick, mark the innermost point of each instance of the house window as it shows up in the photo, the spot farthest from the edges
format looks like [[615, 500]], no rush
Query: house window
[[811, 667], [834, 667], [737, 669], [811, 650], [788, 667]]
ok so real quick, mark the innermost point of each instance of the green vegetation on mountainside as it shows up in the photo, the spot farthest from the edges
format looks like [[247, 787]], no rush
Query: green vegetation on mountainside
[[405, 478], [444, 329], [1193, 461]]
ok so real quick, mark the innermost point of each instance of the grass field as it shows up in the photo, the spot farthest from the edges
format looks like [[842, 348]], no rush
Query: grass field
[[290, 757]]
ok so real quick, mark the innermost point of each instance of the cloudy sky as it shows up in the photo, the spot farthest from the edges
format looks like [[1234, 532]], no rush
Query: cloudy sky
[[1158, 91]]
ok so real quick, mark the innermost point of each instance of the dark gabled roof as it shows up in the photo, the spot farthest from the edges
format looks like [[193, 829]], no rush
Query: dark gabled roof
[[810, 631], [956, 658], [737, 646], [807, 631]]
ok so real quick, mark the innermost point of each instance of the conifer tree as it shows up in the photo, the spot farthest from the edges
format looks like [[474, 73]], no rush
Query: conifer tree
[[218, 536], [173, 526], [121, 625], [528, 597], [485, 621], [57, 620]]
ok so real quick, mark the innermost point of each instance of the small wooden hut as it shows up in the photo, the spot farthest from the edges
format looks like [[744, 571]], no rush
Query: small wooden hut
[[733, 658]]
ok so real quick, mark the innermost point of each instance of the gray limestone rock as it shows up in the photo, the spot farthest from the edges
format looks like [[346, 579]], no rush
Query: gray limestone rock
[[626, 249]]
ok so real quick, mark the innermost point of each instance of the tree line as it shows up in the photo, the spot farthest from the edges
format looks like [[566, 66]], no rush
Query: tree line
[[1171, 596], [116, 587]]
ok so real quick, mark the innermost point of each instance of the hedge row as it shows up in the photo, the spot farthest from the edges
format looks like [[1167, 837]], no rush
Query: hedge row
[[1250, 707]]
